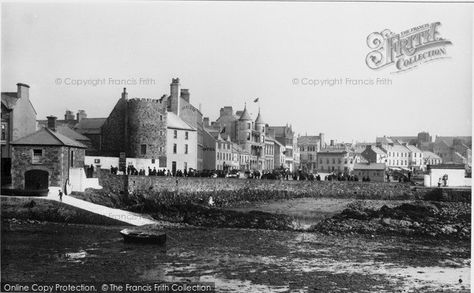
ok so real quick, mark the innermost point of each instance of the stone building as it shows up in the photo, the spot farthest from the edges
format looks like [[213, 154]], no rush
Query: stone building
[[45, 159], [220, 153], [251, 136], [337, 161], [136, 128], [374, 154], [374, 171], [18, 119], [286, 137], [309, 146]]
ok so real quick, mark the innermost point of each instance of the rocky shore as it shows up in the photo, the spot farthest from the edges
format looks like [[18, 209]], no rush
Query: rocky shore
[[419, 218]]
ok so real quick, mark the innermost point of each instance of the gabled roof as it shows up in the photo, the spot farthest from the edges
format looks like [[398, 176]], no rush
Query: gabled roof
[[413, 148], [430, 155], [9, 100], [174, 122], [66, 131], [309, 139], [90, 125], [47, 137]]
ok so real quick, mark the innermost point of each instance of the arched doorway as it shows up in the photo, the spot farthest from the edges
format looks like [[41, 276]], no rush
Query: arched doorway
[[36, 180]]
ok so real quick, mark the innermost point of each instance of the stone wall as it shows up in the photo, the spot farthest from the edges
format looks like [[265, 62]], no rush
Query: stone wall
[[113, 130], [172, 190], [147, 126], [51, 161]]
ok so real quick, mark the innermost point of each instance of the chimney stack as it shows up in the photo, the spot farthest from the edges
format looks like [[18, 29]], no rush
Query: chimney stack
[[81, 114], [185, 94], [205, 121], [174, 92], [69, 115], [124, 93], [52, 122], [23, 91]]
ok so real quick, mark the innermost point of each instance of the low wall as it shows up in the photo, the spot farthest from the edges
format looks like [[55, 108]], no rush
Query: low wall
[[228, 191]]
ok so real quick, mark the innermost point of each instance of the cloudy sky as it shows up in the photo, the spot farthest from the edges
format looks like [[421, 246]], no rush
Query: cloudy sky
[[228, 53]]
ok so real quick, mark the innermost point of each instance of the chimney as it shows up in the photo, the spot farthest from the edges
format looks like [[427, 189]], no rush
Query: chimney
[[23, 90], [124, 93], [69, 115], [174, 91], [205, 120], [185, 94], [322, 144], [52, 122], [81, 114]]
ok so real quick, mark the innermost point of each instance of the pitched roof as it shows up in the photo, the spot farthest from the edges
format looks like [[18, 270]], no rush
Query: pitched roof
[[47, 137], [9, 100], [371, 166], [309, 139], [430, 155], [66, 131], [174, 122], [413, 148], [245, 115], [90, 125]]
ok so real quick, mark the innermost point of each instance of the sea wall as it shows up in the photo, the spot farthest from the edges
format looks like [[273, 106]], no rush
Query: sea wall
[[225, 191]]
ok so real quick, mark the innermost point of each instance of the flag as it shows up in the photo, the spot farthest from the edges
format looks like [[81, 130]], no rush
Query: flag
[[256, 100]]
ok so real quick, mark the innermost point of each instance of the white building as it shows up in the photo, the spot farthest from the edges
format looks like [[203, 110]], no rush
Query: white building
[[181, 144]]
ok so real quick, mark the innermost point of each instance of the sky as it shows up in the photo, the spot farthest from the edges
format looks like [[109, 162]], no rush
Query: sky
[[230, 53]]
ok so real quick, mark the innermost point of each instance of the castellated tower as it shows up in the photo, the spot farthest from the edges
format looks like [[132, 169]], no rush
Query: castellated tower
[[146, 128], [136, 127]]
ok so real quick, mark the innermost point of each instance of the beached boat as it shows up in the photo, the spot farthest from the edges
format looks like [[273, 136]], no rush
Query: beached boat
[[137, 235]]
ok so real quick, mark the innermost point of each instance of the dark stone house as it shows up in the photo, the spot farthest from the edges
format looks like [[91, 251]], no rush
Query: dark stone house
[[18, 119], [44, 159]]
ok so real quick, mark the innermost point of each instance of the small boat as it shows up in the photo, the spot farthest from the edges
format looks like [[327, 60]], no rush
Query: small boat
[[137, 235]]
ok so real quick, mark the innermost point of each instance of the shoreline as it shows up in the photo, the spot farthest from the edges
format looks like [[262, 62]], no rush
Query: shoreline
[[349, 217]]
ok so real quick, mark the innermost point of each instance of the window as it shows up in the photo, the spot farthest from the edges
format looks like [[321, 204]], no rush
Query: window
[[96, 161], [72, 158], [185, 165], [175, 134], [161, 132], [186, 135], [248, 136], [4, 131], [161, 117], [175, 148], [248, 125], [143, 149], [37, 155], [185, 148]]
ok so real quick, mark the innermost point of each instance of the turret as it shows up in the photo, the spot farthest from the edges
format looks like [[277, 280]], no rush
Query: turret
[[259, 124], [245, 126]]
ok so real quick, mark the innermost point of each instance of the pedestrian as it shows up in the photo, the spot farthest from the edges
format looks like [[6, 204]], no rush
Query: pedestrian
[[60, 195]]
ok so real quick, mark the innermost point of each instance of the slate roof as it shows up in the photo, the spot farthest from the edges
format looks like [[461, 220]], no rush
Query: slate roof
[[372, 166], [66, 131], [9, 100], [174, 122], [47, 137], [90, 125]]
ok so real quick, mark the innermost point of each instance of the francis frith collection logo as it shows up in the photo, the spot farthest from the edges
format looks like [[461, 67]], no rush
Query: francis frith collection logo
[[407, 49]]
